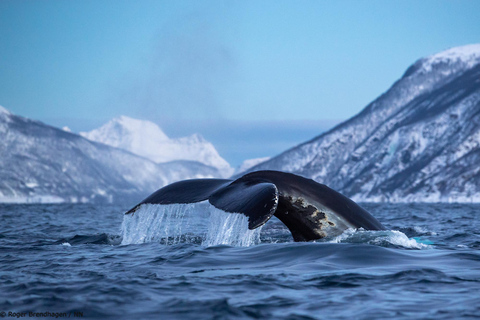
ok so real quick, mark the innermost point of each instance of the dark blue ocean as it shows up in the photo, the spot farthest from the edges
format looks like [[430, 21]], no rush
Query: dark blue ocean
[[190, 262]]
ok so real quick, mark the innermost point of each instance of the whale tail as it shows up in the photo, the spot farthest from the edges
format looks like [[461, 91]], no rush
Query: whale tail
[[309, 209], [256, 199]]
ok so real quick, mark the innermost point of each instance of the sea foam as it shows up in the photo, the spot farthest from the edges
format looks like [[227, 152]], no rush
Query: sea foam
[[380, 238]]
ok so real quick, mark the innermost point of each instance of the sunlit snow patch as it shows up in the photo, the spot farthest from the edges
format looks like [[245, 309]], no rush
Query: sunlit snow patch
[[198, 223], [381, 238]]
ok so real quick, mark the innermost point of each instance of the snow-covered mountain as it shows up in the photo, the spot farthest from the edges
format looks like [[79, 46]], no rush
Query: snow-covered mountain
[[146, 139], [419, 141], [40, 163]]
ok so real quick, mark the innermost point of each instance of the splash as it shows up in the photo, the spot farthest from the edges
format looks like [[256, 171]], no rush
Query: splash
[[422, 231], [193, 223], [155, 223], [381, 238], [230, 229]]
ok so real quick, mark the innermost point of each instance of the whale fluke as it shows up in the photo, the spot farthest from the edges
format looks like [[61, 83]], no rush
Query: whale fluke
[[310, 210]]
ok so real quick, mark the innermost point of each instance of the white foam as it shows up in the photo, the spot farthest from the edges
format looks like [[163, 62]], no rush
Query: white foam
[[66, 244], [344, 236], [400, 239], [419, 229], [175, 223], [380, 238]]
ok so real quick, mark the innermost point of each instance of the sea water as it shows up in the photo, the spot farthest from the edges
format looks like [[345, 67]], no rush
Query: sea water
[[197, 262]]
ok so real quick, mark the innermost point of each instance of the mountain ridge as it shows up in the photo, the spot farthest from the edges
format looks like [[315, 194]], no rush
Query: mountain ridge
[[41, 163], [347, 156], [146, 139]]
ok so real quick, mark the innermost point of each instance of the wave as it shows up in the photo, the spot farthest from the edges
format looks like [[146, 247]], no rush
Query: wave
[[204, 224], [101, 238], [383, 238]]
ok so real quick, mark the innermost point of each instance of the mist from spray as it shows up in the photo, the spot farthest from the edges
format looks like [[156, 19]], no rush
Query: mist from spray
[[188, 70]]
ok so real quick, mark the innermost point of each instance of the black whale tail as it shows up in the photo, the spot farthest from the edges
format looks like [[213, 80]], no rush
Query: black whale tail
[[256, 199], [309, 209]]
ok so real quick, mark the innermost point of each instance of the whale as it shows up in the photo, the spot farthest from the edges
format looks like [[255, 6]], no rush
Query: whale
[[310, 210]]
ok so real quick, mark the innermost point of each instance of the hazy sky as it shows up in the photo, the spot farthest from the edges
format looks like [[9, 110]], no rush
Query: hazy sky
[[254, 77]]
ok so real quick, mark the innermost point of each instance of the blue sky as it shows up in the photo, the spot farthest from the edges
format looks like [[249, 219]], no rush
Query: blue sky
[[254, 77]]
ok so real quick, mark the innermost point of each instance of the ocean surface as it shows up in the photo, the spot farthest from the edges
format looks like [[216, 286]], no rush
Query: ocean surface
[[196, 262]]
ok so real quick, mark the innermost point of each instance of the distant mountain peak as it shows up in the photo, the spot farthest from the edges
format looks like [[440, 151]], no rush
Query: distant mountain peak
[[4, 111], [469, 54], [129, 134], [145, 138], [197, 137], [450, 60], [122, 124]]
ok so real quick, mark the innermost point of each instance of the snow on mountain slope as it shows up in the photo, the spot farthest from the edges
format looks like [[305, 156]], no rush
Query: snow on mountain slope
[[419, 141], [468, 56], [249, 163], [4, 111], [146, 139], [40, 163]]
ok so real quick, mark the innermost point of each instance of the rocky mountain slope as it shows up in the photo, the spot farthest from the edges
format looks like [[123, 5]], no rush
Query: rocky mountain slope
[[40, 163], [146, 139], [419, 141]]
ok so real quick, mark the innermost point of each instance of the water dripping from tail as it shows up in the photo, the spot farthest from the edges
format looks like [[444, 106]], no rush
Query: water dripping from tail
[[151, 223], [199, 223], [230, 229]]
